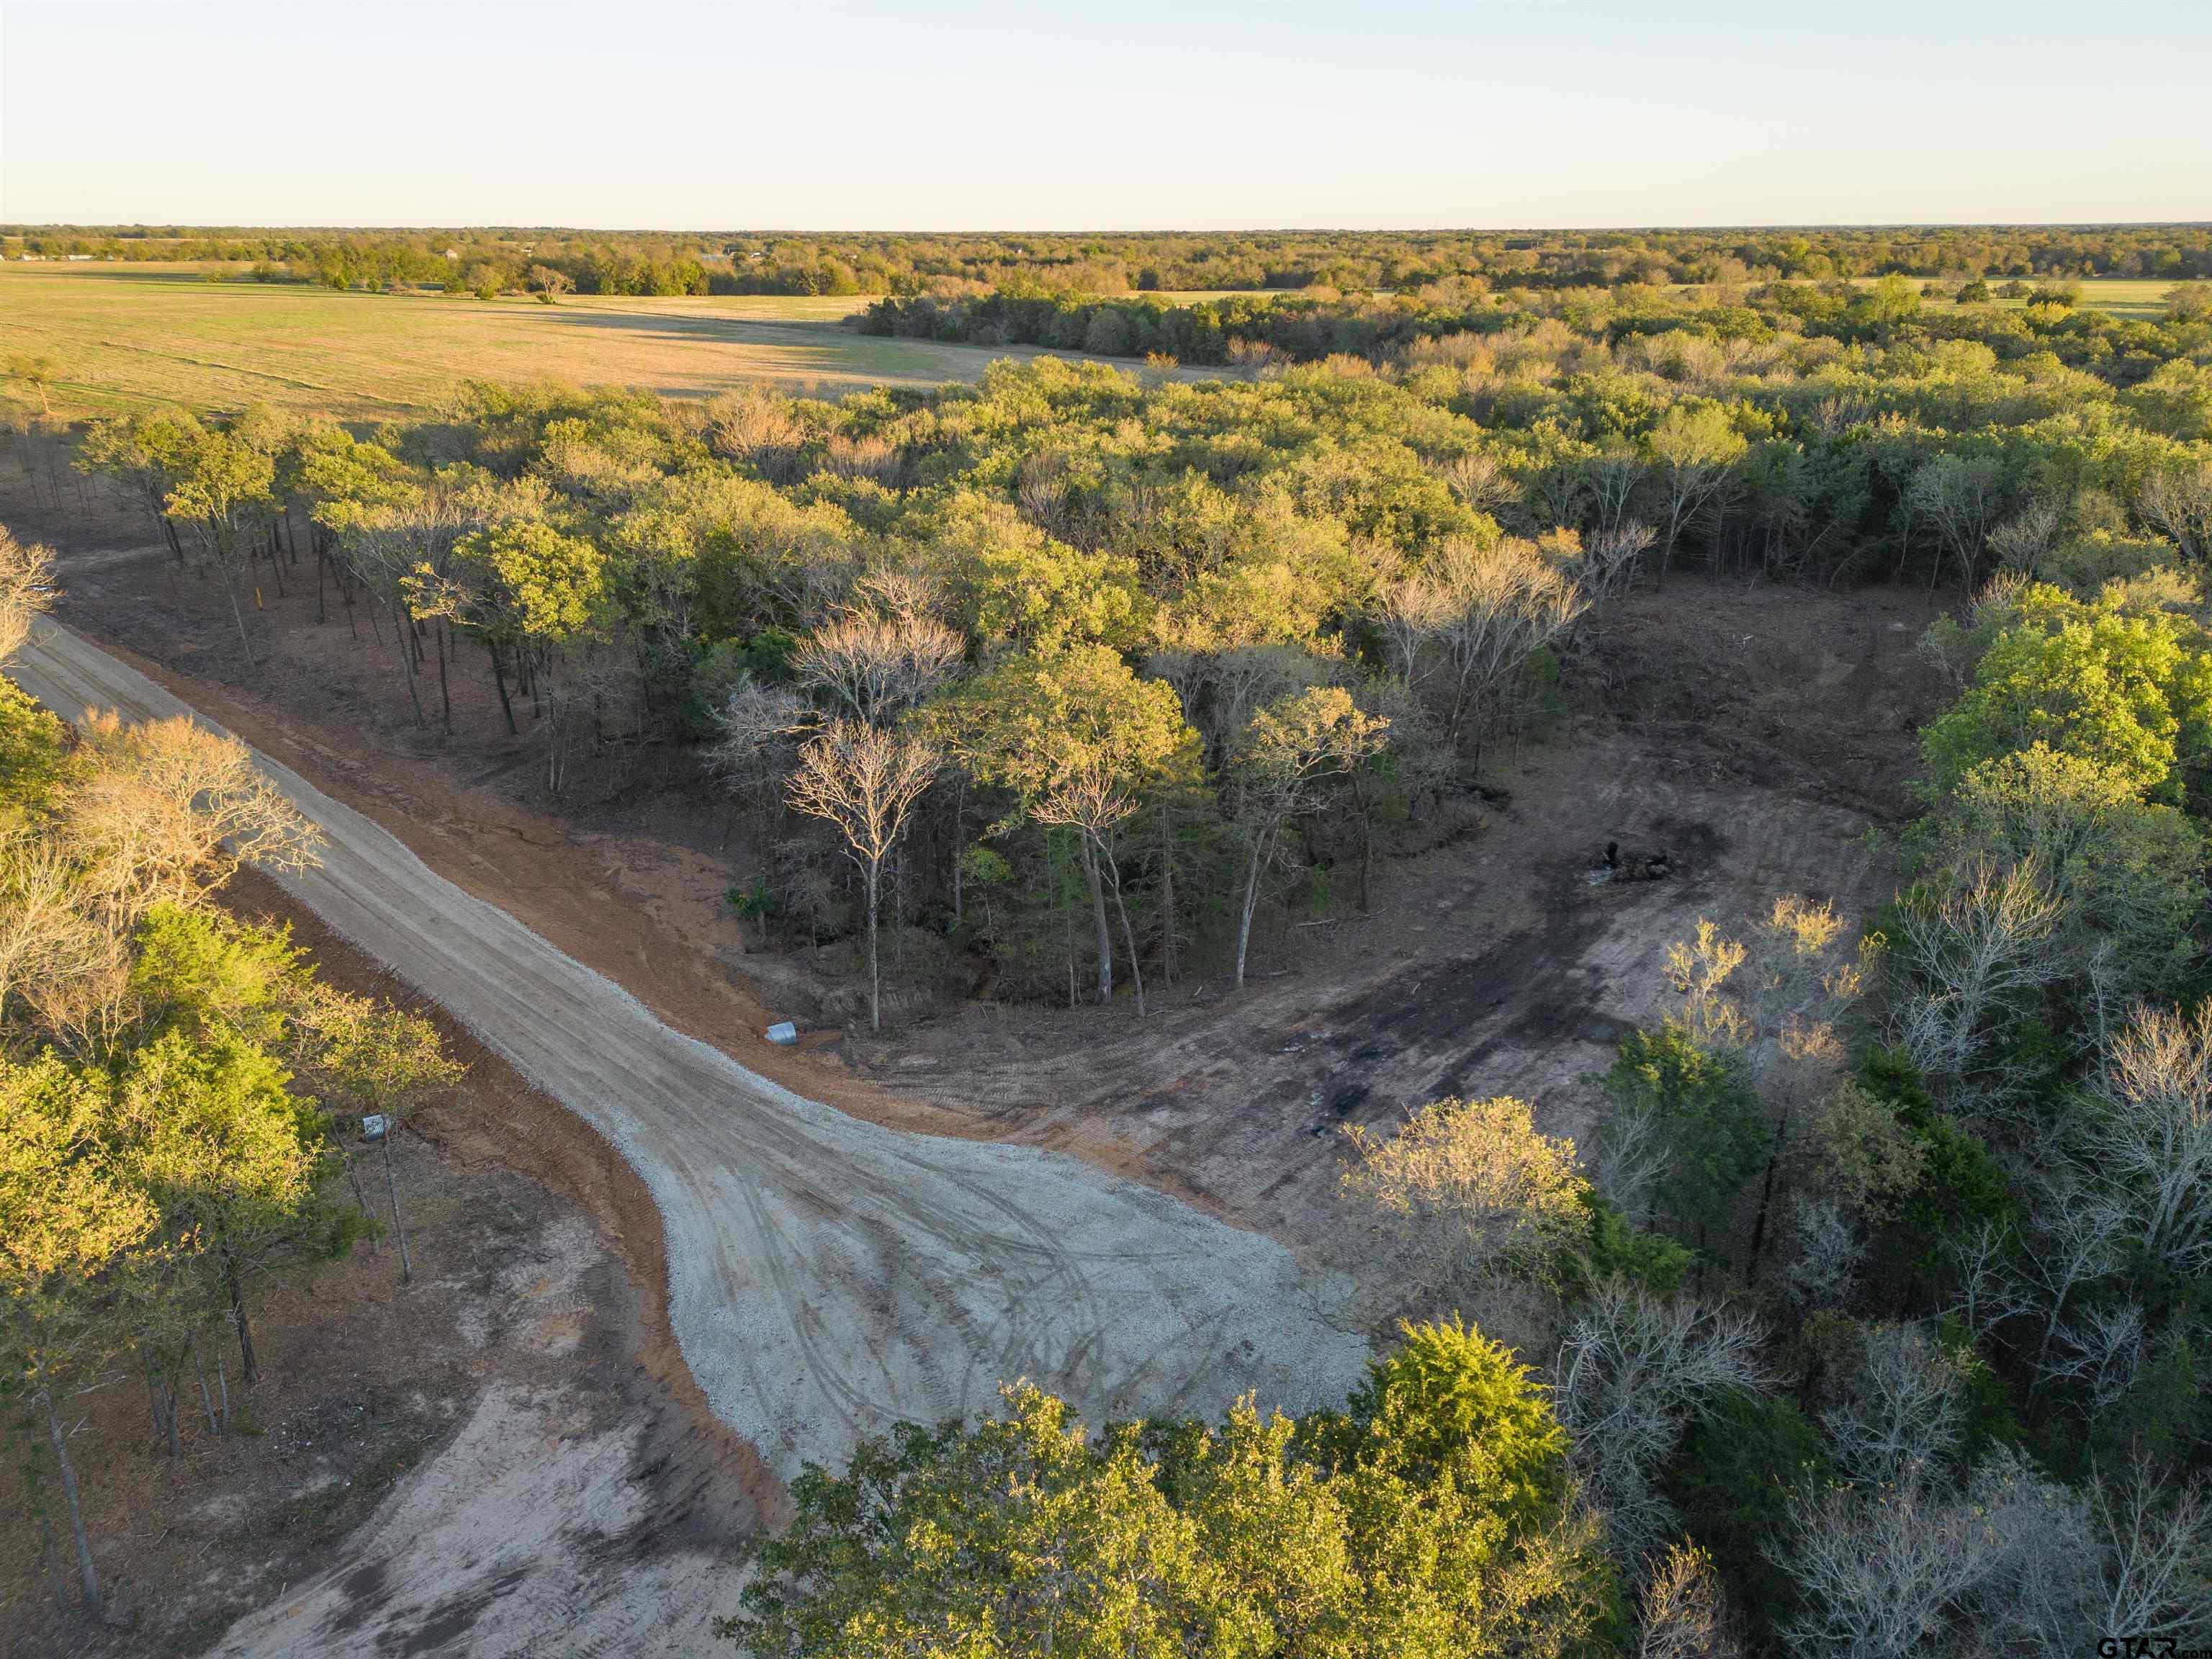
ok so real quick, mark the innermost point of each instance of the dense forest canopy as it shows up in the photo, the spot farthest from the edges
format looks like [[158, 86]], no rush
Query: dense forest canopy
[[1416, 530], [952, 265]]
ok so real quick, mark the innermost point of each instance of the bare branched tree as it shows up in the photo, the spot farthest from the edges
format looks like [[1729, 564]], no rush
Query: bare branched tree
[[25, 588], [2073, 1244], [46, 940], [1631, 1158], [1608, 480], [1684, 1613], [2176, 502], [1959, 496], [1899, 1411], [60, 959], [1612, 559], [2157, 1579], [1964, 958], [586, 705], [2102, 1350], [2152, 1140], [756, 424], [1882, 1571], [1477, 612], [2021, 541], [169, 809], [1633, 1372], [758, 732], [1828, 1252], [865, 781], [872, 664], [1479, 480], [1980, 1258]]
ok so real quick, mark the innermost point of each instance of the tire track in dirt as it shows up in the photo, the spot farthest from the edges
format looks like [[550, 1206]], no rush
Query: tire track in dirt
[[827, 1275]]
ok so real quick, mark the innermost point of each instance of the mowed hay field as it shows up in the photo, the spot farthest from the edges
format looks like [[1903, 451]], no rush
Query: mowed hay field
[[122, 337], [2123, 296]]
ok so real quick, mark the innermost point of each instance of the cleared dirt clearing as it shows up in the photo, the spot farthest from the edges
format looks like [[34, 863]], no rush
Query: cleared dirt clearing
[[828, 1276]]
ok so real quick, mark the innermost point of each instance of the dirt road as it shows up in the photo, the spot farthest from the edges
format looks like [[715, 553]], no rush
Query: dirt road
[[828, 1276]]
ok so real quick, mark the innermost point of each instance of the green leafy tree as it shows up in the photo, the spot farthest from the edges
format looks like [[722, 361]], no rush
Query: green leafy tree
[[1692, 451], [365, 1058], [1291, 748], [67, 1213], [2131, 691], [220, 485], [148, 453], [225, 1151], [1691, 1092], [1468, 1184], [1017, 583], [534, 587], [38, 373], [1079, 740], [1432, 1520], [2129, 873]]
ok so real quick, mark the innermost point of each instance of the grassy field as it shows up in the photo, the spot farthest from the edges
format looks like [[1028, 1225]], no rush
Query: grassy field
[[124, 336], [2123, 296]]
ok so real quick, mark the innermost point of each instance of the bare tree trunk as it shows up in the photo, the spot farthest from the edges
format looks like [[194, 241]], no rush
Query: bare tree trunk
[[1766, 1194], [161, 1396], [60, 1444], [207, 1401], [407, 662], [1067, 938], [248, 1366], [1251, 899], [499, 679], [959, 846], [238, 616], [360, 1192], [152, 1395], [1366, 856], [56, 1579], [874, 868], [1167, 899], [1129, 934], [399, 1227], [445, 693], [1105, 935]]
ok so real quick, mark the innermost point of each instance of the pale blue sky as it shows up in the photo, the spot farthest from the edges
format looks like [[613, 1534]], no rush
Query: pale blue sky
[[1123, 114]]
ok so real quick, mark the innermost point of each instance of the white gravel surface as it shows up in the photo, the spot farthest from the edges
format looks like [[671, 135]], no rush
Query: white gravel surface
[[828, 1276]]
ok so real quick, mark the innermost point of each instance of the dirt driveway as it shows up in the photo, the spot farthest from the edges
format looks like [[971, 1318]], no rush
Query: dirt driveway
[[828, 1275]]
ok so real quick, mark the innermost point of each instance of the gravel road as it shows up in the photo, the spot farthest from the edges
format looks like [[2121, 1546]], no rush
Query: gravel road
[[827, 1276]]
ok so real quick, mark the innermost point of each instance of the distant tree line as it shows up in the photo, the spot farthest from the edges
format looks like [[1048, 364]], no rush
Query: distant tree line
[[951, 265], [1253, 330]]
